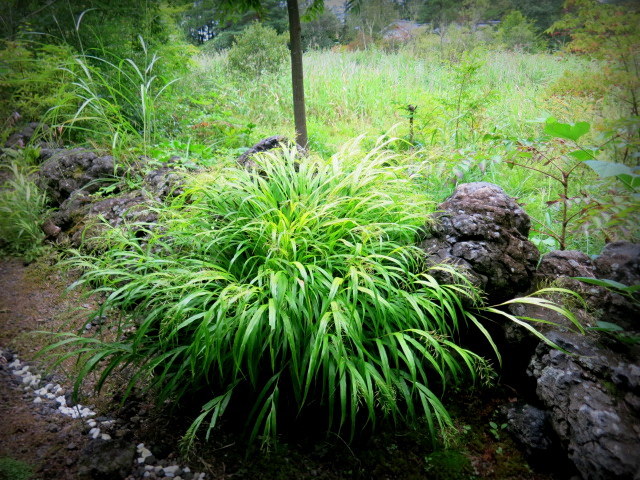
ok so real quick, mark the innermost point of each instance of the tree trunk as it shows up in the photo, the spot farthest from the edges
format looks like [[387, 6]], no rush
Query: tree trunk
[[297, 76]]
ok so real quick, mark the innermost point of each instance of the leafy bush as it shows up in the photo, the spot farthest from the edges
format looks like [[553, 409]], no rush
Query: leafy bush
[[293, 288], [516, 32], [33, 78], [258, 50], [115, 100], [22, 207]]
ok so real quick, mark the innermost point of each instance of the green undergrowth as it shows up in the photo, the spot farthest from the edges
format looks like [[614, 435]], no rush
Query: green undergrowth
[[22, 209], [11, 469], [293, 290]]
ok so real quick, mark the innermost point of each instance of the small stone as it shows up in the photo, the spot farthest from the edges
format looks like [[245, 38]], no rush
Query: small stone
[[173, 470], [71, 446], [53, 428], [37, 400], [92, 423], [149, 460], [144, 452], [105, 436]]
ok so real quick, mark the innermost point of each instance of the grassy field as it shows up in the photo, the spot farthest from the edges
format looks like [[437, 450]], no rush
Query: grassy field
[[365, 94]]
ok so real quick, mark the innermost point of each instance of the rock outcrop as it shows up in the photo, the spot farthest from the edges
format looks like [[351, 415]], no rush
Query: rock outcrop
[[590, 392], [485, 231], [72, 177], [65, 171]]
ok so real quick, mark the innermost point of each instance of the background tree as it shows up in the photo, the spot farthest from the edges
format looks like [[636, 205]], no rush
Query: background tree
[[517, 32], [607, 32], [295, 39], [371, 17]]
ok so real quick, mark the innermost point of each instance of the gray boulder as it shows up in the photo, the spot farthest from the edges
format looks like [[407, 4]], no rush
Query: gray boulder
[[532, 428], [106, 460], [66, 171], [82, 218], [22, 138], [619, 261], [483, 230], [591, 390], [591, 394]]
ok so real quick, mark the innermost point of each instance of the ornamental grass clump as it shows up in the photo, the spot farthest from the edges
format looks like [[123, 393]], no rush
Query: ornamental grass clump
[[290, 288]]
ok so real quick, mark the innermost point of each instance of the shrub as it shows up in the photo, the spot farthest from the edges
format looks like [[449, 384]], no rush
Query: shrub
[[516, 32], [115, 99], [258, 50], [32, 78], [294, 289], [22, 207]]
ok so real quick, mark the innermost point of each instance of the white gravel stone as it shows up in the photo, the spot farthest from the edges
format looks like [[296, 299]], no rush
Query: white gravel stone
[[105, 436], [145, 452], [92, 423], [173, 470], [140, 446], [37, 400], [61, 400]]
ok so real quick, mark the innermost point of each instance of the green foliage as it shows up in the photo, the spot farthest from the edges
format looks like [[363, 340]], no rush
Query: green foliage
[[11, 469], [116, 99], [322, 32], [258, 50], [22, 209], [292, 288], [468, 102], [608, 32], [296, 290], [448, 465], [608, 207], [516, 32], [114, 25], [34, 77], [496, 429]]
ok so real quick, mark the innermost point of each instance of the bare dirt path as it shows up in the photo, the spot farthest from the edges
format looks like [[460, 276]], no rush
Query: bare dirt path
[[32, 434]]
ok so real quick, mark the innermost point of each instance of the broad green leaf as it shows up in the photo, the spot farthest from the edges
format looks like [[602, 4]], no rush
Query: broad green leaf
[[609, 169], [612, 327], [566, 130], [584, 154], [603, 282]]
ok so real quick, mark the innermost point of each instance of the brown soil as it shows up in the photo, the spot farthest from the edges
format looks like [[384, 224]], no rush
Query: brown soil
[[30, 302], [33, 298]]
